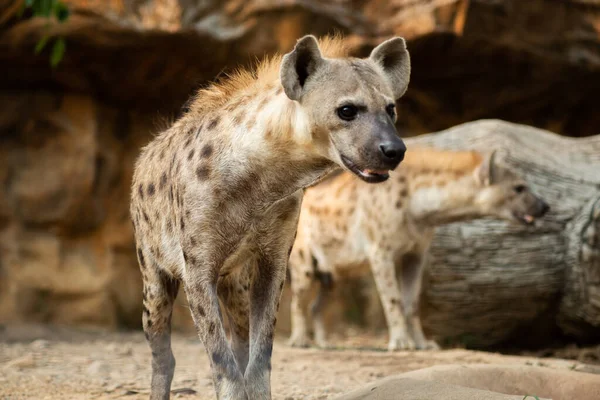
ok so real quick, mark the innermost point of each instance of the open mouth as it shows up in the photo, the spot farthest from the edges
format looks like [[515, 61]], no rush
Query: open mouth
[[367, 175], [525, 219]]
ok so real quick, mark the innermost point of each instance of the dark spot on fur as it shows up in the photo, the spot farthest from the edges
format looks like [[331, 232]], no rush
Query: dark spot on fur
[[182, 222], [170, 284], [200, 311], [262, 103], [188, 141], [202, 172], [191, 154], [141, 192], [237, 119], [211, 328], [326, 279], [146, 217], [185, 257], [398, 204], [141, 258], [404, 192], [213, 123], [308, 274], [163, 181], [198, 132], [206, 151], [149, 323], [151, 189], [219, 377], [145, 310], [169, 225], [217, 358]]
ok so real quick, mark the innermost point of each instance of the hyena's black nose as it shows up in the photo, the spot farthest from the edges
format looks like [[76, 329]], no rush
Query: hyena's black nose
[[393, 151], [545, 207]]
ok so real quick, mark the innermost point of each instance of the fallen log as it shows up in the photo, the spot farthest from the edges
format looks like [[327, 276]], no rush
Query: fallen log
[[488, 280]]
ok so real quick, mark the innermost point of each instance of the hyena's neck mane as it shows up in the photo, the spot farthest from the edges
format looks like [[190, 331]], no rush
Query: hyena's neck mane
[[255, 80]]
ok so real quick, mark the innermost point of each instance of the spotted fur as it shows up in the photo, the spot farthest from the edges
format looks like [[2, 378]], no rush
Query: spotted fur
[[215, 198], [346, 226]]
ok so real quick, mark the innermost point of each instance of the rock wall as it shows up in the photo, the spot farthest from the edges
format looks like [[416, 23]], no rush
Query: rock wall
[[65, 165], [69, 136]]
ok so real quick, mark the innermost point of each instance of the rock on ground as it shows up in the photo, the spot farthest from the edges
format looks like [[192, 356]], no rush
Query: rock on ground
[[413, 389]]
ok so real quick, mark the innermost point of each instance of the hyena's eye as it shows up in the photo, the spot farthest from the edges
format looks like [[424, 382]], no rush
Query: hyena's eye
[[391, 110], [347, 112], [520, 188]]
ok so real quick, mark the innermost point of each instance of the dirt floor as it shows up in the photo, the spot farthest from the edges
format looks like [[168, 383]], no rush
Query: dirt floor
[[39, 362]]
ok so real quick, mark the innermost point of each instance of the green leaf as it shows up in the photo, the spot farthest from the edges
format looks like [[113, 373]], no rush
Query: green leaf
[[58, 51], [61, 11], [41, 44]]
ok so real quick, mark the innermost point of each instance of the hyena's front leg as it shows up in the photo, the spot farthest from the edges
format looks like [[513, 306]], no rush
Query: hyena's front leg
[[201, 290], [411, 277], [264, 302], [276, 238], [384, 273], [233, 292]]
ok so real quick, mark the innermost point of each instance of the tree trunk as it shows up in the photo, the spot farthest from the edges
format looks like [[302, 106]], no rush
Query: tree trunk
[[488, 280]]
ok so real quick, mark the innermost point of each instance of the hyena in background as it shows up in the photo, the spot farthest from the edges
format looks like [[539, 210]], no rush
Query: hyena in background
[[216, 197], [346, 226]]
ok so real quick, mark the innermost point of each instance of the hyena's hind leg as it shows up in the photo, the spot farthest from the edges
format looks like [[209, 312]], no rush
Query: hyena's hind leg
[[318, 306], [301, 281], [160, 290]]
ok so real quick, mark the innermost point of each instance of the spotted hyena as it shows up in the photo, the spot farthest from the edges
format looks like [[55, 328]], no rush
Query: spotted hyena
[[346, 225], [216, 197]]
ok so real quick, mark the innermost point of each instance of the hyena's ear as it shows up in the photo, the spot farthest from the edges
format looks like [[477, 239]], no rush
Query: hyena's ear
[[486, 173], [298, 65], [393, 57]]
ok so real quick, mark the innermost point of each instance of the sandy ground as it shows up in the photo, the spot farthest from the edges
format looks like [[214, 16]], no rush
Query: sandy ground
[[59, 363]]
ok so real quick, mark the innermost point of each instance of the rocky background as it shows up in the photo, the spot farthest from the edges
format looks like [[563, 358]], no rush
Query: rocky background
[[69, 135]]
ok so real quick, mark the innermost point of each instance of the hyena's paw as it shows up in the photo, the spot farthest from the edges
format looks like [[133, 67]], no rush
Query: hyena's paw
[[401, 343], [323, 344], [298, 341], [428, 345]]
